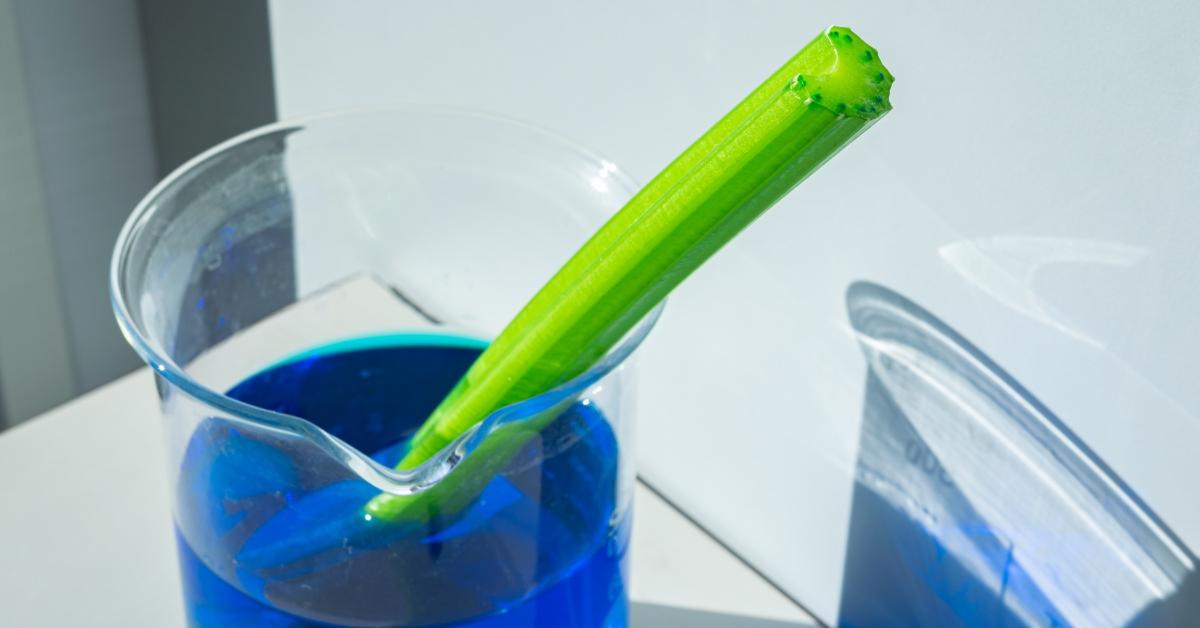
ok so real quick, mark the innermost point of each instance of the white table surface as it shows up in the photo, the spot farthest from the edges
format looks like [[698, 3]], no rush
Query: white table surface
[[85, 531]]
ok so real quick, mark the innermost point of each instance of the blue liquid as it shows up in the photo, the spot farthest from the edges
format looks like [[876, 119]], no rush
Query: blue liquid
[[540, 546]]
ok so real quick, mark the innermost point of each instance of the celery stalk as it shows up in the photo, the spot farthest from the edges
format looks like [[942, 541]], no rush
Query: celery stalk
[[802, 115]]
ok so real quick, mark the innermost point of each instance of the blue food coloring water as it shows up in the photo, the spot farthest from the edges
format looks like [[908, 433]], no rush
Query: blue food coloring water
[[272, 531]]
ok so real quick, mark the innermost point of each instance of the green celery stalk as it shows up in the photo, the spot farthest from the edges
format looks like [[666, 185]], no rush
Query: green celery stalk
[[801, 116]]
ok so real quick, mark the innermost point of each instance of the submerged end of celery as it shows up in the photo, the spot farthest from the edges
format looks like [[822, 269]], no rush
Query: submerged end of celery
[[844, 75]]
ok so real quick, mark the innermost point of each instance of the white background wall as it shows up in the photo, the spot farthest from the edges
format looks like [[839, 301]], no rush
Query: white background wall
[[87, 95], [96, 100], [76, 154], [1035, 187], [34, 360]]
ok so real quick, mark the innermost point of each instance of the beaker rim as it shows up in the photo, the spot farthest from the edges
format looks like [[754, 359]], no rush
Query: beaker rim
[[401, 482]]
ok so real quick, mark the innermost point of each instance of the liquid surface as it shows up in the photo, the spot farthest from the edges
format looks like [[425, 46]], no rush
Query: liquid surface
[[284, 541]]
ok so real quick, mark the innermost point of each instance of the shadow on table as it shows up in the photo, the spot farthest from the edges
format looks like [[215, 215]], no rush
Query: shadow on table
[[655, 616], [976, 506]]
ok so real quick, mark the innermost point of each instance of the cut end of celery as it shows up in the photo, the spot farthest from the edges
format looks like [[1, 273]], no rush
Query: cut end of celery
[[843, 74]]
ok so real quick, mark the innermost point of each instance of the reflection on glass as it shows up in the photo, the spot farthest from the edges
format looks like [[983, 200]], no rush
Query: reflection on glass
[[1005, 267], [974, 505]]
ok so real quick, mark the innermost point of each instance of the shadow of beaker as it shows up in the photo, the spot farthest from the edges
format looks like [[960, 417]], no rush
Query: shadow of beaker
[[975, 505]]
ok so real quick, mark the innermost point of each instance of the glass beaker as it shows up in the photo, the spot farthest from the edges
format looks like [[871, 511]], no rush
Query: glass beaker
[[306, 293]]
